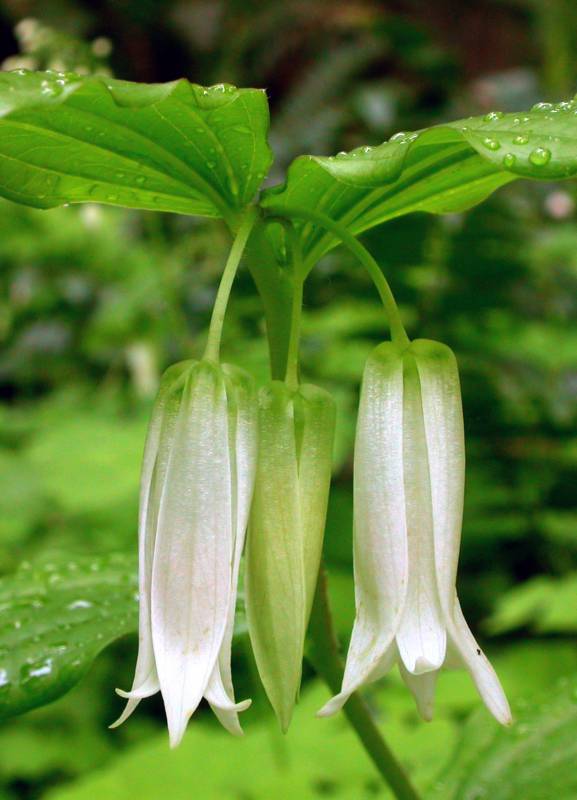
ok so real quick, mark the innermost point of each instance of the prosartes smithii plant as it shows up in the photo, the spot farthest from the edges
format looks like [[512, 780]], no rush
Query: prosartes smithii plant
[[236, 478]]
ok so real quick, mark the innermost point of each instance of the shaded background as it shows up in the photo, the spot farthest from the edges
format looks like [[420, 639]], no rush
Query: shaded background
[[96, 302]]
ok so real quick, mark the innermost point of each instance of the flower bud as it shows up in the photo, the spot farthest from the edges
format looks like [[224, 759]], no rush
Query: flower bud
[[196, 489], [287, 521], [408, 498]]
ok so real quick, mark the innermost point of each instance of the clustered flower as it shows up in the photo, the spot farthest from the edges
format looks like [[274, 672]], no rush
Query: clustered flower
[[223, 462]]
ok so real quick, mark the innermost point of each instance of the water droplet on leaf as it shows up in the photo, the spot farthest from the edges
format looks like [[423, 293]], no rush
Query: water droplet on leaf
[[540, 156], [491, 144], [492, 116]]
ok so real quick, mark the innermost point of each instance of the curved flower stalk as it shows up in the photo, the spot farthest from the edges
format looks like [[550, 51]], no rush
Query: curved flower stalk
[[286, 529], [408, 494], [196, 489]]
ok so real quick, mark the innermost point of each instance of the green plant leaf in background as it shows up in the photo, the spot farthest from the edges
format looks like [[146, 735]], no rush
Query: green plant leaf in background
[[315, 760], [56, 618], [544, 604], [168, 147], [533, 760], [447, 168]]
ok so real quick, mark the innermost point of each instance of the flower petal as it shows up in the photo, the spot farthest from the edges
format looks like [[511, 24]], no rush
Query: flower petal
[[422, 688], [380, 669], [243, 445], [421, 636], [156, 452], [191, 578], [380, 532], [275, 577], [481, 671], [443, 415], [222, 703], [315, 411]]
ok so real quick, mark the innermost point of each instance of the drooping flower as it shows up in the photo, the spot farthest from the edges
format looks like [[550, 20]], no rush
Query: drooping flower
[[196, 488], [408, 498], [286, 529]]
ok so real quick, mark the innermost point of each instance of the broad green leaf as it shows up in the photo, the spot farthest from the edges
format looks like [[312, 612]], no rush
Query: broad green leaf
[[168, 147], [56, 618], [447, 168], [533, 760]]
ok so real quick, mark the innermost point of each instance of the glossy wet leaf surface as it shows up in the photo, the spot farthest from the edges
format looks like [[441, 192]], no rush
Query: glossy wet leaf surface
[[447, 168], [56, 617], [169, 147]]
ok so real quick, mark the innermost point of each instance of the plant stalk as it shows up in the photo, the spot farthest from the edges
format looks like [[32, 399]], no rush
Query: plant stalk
[[398, 333], [324, 655], [212, 350]]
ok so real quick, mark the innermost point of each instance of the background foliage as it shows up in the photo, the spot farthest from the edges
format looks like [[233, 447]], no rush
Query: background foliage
[[95, 302]]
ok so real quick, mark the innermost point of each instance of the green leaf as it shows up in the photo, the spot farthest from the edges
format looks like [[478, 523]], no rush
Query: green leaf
[[167, 147], [544, 604], [533, 760], [447, 168], [56, 618]]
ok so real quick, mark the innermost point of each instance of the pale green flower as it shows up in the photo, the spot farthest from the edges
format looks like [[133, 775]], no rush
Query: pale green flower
[[408, 496], [286, 533]]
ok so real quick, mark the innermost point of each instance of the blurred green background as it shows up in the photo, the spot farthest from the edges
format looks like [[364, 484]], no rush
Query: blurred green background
[[96, 302]]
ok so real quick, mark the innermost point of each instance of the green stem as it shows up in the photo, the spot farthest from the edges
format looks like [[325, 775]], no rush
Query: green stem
[[275, 288], [324, 654], [398, 333], [212, 349], [292, 368]]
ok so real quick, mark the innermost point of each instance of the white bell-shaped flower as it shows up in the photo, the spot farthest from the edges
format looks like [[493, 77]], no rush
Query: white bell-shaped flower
[[408, 505], [196, 489]]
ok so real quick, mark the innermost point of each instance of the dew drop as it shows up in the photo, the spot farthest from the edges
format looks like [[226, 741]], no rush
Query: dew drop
[[491, 144], [509, 160], [492, 116], [76, 604], [540, 156], [49, 89], [31, 673], [542, 107], [398, 137], [522, 139], [4, 681]]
